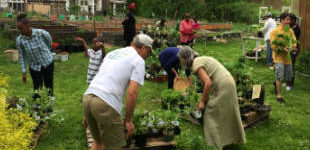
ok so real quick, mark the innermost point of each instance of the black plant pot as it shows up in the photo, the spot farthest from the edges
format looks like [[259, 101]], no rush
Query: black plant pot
[[182, 106], [177, 130], [164, 105], [140, 140]]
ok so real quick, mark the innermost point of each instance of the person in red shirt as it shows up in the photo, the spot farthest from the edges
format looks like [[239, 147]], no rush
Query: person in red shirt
[[196, 23], [187, 30]]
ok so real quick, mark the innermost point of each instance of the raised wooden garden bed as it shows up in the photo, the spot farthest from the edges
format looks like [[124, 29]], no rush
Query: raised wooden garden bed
[[215, 26]]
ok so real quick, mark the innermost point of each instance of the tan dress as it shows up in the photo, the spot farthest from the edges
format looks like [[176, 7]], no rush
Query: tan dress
[[222, 121]]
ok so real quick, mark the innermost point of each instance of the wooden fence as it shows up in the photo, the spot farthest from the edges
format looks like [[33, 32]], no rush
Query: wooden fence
[[304, 13]]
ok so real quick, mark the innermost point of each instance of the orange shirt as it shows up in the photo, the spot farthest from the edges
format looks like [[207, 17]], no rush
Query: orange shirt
[[280, 57]]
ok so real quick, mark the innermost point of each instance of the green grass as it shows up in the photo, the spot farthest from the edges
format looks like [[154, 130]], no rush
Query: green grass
[[287, 129]]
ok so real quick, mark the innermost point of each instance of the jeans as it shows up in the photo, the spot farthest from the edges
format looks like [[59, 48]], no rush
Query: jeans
[[269, 53]]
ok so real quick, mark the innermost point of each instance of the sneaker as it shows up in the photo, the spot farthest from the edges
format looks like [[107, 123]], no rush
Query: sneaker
[[271, 68], [288, 88], [281, 100]]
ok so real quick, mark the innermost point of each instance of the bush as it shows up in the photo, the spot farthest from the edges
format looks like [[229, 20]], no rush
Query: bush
[[303, 62], [15, 127]]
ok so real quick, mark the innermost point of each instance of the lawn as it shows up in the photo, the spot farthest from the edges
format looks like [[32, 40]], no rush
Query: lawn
[[287, 129]]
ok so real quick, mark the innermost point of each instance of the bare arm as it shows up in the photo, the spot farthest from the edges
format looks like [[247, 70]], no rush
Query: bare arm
[[83, 42], [202, 74], [175, 72], [132, 96]]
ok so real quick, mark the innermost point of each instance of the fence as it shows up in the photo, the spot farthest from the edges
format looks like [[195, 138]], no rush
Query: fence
[[304, 12]]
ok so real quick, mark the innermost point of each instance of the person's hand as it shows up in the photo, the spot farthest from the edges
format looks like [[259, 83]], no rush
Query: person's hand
[[85, 122], [130, 128], [99, 44], [201, 106], [176, 75], [24, 78], [286, 49]]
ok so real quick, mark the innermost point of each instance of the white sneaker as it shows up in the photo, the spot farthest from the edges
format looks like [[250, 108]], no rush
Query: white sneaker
[[288, 88]]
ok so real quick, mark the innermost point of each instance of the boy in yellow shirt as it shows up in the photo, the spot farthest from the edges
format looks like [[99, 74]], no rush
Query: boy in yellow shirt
[[281, 55]]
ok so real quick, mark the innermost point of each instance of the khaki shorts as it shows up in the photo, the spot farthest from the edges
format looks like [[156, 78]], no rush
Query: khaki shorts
[[105, 124], [284, 72]]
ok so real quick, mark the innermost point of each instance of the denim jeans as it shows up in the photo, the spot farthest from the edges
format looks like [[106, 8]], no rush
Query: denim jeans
[[269, 53]]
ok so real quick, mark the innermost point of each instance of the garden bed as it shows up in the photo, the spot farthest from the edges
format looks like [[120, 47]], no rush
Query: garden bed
[[215, 26], [14, 103]]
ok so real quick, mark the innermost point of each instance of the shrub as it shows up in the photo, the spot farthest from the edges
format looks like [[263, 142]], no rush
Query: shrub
[[303, 62], [15, 127]]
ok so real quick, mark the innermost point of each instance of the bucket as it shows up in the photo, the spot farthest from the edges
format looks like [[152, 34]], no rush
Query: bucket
[[64, 57], [11, 55]]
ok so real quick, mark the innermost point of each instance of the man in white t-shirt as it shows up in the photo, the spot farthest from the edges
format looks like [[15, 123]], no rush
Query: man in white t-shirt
[[269, 25], [120, 70]]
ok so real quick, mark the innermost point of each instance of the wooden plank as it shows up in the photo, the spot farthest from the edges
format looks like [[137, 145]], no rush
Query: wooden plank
[[37, 134], [254, 117], [153, 143]]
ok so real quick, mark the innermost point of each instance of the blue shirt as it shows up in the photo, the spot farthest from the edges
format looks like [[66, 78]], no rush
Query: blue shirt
[[168, 59], [36, 49]]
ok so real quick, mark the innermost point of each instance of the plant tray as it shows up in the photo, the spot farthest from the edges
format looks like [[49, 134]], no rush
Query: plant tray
[[152, 143], [37, 134], [249, 119], [254, 117], [253, 57]]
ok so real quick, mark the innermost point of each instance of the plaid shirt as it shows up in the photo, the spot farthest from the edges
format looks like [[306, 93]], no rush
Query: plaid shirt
[[36, 48]]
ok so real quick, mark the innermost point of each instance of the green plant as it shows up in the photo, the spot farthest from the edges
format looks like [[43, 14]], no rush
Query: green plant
[[284, 41], [303, 62], [37, 107], [171, 98]]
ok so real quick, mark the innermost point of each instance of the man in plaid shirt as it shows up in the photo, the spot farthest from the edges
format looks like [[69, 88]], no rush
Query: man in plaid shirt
[[34, 47]]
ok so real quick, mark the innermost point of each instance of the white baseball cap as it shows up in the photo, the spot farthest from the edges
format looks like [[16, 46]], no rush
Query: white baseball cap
[[145, 40]]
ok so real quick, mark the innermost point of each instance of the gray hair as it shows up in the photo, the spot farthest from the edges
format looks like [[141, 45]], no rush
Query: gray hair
[[142, 39], [188, 54]]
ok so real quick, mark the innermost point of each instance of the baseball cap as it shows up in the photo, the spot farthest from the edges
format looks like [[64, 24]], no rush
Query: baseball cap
[[145, 40]]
